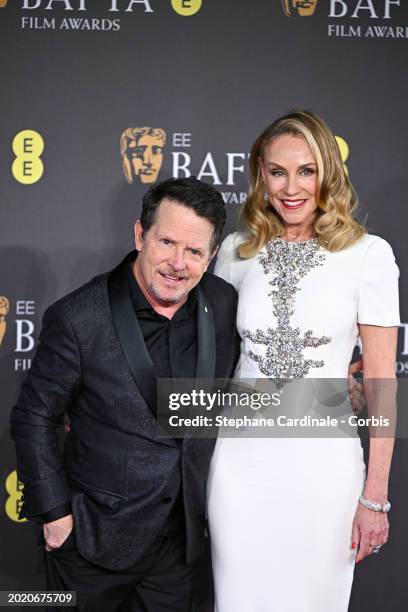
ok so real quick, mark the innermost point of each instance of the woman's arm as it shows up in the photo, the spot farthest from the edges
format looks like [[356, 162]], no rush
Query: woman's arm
[[379, 353]]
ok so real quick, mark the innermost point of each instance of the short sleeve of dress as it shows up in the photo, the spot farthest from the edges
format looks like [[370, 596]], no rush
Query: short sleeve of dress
[[378, 302]]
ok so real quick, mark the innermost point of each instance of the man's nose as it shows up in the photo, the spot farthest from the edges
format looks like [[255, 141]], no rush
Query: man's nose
[[178, 259]]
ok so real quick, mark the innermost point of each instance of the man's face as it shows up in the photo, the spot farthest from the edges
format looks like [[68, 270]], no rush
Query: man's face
[[146, 157], [173, 254]]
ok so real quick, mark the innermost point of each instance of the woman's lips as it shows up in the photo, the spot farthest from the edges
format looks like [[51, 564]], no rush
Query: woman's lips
[[293, 204]]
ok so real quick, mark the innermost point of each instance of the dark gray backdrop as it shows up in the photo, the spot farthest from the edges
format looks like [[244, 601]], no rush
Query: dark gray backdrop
[[218, 76]]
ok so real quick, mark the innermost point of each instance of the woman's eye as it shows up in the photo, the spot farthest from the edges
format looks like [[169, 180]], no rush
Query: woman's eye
[[277, 173], [308, 171]]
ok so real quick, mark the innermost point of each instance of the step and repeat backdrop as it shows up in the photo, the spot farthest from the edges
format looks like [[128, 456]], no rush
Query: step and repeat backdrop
[[102, 98]]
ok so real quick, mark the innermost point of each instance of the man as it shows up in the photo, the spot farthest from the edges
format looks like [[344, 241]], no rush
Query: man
[[141, 149], [123, 509]]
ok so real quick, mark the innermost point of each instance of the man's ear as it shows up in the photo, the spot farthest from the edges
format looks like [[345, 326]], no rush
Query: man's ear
[[139, 238]]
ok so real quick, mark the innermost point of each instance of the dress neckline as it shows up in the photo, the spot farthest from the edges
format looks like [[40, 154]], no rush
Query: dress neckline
[[309, 240]]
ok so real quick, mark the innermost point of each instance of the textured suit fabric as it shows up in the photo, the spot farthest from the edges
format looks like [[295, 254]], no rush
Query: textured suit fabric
[[159, 582], [121, 479]]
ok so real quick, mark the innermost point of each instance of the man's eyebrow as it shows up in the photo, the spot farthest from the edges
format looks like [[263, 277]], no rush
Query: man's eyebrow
[[188, 246]]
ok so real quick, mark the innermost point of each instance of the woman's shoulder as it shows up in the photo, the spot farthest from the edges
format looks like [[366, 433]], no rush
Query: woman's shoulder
[[229, 264], [368, 240], [230, 245], [371, 245], [373, 259]]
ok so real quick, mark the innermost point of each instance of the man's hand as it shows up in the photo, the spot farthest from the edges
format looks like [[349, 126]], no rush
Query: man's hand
[[356, 389], [56, 532]]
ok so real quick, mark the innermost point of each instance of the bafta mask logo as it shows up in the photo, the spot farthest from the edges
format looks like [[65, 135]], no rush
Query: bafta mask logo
[[141, 149], [4, 310], [305, 8], [3, 3]]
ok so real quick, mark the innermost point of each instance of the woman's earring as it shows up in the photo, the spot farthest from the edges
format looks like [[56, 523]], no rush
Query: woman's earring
[[266, 196]]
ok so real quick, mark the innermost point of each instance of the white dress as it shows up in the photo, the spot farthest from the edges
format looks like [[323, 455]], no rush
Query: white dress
[[281, 509]]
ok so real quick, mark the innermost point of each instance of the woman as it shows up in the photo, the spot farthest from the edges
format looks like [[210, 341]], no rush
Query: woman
[[286, 523]]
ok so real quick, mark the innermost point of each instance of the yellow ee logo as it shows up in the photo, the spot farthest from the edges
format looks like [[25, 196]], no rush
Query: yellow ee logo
[[186, 7], [28, 146], [344, 151], [14, 502]]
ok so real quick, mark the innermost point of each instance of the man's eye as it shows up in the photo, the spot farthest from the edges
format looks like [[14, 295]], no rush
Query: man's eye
[[195, 252], [166, 241]]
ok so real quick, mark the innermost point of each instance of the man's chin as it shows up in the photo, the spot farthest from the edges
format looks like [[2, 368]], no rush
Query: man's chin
[[172, 300], [168, 298]]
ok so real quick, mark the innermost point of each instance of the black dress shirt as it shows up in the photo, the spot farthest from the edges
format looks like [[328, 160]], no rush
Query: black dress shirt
[[172, 346], [172, 343]]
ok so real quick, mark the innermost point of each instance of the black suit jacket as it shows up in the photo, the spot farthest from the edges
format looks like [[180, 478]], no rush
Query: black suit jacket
[[120, 477]]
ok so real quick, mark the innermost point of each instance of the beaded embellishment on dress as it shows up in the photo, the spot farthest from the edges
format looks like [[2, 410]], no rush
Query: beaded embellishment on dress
[[290, 262]]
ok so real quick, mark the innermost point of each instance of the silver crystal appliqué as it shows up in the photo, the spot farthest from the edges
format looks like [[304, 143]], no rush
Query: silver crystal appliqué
[[283, 359]]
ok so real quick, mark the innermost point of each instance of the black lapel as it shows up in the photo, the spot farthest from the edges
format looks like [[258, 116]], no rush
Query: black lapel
[[206, 354], [129, 333], [133, 345], [205, 337]]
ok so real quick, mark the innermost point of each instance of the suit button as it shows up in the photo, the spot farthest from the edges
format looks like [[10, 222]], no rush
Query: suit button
[[166, 500]]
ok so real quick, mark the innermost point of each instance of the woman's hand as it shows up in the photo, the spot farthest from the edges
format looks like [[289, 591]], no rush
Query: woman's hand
[[369, 529]]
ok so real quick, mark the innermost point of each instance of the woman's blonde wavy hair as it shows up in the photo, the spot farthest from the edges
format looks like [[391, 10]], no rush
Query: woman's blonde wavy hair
[[335, 225]]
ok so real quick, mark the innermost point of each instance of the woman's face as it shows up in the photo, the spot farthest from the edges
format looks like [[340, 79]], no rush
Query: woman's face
[[289, 171]]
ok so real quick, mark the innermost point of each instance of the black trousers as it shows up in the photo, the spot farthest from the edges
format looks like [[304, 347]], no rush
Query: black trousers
[[160, 582]]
